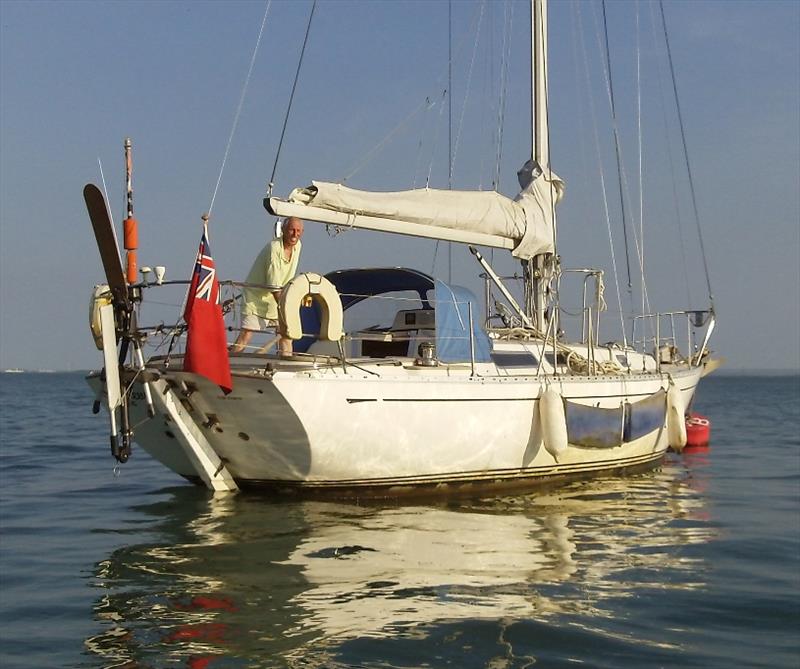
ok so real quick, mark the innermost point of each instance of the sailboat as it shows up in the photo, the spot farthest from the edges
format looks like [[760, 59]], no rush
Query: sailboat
[[446, 395]]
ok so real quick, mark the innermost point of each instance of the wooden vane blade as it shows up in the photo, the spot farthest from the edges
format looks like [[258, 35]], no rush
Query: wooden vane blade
[[106, 243]]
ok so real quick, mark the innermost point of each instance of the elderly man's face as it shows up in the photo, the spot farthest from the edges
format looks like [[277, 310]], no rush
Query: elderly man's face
[[292, 231]]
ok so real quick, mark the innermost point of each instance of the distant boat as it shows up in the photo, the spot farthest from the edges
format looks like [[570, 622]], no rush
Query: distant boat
[[432, 399], [13, 370]]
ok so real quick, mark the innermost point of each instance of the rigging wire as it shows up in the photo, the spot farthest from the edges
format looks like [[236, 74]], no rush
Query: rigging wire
[[105, 190], [435, 253], [454, 152], [435, 140], [582, 103], [593, 111], [450, 137], [239, 108], [638, 238], [686, 156], [645, 301], [446, 92], [638, 235], [450, 93], [469, 87], [617, 147], [624, 186], [671, 161], [369, 155], [504, 67], [426, 105], [207, 215], [450, 124], [291, 99], [488, 94], [421, 142]]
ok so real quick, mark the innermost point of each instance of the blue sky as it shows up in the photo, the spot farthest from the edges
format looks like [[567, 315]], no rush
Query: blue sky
[[76, 78]]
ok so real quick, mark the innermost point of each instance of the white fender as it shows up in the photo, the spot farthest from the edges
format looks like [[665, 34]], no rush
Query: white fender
[[101, 295], [676, 420], [554, 422], [324, 293], [535, 437]]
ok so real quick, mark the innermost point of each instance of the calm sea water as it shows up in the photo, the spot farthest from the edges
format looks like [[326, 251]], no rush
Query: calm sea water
[[697, 565]]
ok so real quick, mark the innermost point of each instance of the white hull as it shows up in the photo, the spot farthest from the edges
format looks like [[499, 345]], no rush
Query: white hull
[[346, 432], [402, 383]]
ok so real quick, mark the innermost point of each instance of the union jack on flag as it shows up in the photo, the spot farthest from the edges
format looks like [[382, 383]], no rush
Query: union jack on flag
[[206, 274], [206, 346]]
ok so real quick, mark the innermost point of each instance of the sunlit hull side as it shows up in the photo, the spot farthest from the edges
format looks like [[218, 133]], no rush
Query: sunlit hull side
[[321, 430]]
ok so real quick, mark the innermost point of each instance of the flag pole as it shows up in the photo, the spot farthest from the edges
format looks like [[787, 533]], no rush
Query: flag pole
[[204, 217]]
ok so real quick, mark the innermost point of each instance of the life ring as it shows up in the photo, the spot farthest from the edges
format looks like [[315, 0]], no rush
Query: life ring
[[320, 290], [101, 295]]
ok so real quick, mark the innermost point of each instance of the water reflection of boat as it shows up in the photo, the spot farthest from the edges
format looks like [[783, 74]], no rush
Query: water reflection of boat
[[247, 579]]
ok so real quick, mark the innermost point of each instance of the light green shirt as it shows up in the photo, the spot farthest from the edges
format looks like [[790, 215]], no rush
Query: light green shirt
[[269, 268]]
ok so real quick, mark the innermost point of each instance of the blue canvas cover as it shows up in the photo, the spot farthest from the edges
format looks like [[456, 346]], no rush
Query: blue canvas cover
[[355, 285], [452, 326], [645, 416], [452, 310], [593, 427]]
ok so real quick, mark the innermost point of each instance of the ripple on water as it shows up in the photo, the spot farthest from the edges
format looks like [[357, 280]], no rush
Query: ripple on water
[[694, 565]]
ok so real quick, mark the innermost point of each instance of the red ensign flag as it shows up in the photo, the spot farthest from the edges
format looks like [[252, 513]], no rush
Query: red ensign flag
[[206, 346]]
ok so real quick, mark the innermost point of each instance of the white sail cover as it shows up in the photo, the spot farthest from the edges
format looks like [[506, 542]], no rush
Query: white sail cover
[[524, 224]]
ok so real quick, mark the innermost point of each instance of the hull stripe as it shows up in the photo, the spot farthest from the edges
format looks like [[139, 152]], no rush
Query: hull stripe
[[356, 400], [506, 475]]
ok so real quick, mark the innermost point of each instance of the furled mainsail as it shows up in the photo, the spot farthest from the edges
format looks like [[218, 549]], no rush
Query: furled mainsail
[[524, 225]]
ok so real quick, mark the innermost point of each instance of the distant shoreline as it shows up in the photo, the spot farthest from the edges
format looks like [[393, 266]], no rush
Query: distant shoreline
[[757, 372], [721, 372]]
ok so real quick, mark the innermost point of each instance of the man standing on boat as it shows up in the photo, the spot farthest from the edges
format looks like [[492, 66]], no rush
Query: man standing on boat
[[275, 265]]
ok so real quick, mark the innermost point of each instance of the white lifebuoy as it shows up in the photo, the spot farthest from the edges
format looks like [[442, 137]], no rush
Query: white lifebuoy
[[676, 419], [101, 295], [321, 291], [553, 421]]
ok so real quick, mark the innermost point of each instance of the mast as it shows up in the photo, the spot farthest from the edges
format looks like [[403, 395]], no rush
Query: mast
[[537, 267], [540, 149]]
